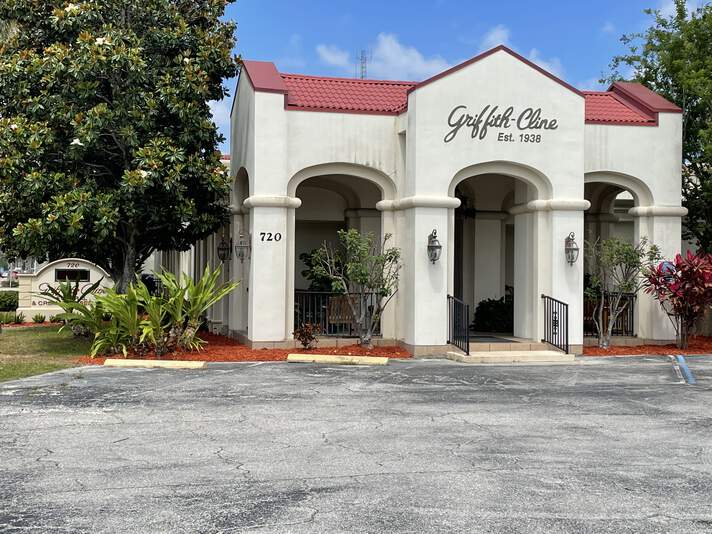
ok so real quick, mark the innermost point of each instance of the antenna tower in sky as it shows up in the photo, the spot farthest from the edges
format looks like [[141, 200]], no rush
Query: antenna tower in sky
[[364, 59]]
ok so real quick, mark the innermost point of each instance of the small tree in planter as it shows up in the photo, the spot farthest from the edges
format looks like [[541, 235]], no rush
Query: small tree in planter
[[684, 290], [617, 269], [365, 273]]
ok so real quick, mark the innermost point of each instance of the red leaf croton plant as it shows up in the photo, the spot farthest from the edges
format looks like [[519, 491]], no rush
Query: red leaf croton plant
[[683, 288]]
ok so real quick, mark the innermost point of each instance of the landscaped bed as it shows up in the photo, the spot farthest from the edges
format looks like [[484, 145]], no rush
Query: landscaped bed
[[224, 349], [697, 345], [36, 349]]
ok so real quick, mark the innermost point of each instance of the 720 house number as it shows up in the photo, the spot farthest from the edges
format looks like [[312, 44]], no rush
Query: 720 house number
[[269, 236]]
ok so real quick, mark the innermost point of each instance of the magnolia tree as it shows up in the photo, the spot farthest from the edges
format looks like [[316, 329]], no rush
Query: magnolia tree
[[617, 269], [365, 273], [683, 288], [108, 150]]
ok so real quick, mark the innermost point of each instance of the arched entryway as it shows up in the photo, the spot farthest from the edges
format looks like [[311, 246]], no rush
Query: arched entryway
[[495, 248], [613, 197], [333, 198]]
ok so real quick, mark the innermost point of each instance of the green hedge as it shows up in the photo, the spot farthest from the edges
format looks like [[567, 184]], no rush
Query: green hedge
[[495, 315], [8, 300]]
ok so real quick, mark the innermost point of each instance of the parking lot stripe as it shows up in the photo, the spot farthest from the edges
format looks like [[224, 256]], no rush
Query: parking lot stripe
[[686, 372]]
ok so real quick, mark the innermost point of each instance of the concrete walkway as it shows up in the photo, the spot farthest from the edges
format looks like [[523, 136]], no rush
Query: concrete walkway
[[602, 446]]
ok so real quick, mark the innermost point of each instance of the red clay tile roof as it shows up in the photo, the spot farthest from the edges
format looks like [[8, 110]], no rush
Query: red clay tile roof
[[346, 94], [623, 103], [606, 107], [644, 96]]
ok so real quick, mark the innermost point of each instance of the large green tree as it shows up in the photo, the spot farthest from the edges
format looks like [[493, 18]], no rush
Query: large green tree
[[107, 146], [674, 58]]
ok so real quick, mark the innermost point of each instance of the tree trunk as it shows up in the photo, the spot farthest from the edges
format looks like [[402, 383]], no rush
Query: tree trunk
[[683, 336], [602, 341], [127, 273]]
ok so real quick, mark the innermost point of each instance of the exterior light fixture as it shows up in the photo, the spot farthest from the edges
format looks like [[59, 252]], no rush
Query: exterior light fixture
[[434, 247], [571, 248], [242, 249], [225, 250]]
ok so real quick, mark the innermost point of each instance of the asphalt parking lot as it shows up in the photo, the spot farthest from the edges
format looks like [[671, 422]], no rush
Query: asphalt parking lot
[[603, 446]]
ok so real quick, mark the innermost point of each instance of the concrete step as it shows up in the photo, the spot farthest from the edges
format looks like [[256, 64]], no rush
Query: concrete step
[[476, 346], [511, 356]]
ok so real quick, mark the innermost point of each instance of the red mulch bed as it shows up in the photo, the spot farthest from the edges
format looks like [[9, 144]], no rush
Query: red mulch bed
[[698, 345], [224, 349]]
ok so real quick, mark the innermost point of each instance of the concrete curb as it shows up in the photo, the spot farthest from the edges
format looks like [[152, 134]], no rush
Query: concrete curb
[[337, 359], [163, 364]]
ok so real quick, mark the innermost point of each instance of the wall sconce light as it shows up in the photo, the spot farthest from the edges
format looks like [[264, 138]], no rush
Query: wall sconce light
[[434, 247], [225, 250], [242, 249], [571, 248]]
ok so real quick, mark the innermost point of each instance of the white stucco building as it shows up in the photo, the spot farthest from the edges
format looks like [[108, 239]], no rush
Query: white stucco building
[[500, 157]]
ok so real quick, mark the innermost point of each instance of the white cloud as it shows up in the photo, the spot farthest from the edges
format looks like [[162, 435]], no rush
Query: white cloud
[[291, 57], [391, 59], [608, 27], [498, 35], [334, 56], [553, 65]]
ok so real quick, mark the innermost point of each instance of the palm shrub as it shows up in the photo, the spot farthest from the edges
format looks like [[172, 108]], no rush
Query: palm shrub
[[85, 318], [38, 318], [124, 329], [198, 297], [68, 292], [139, 321], [156, 321]]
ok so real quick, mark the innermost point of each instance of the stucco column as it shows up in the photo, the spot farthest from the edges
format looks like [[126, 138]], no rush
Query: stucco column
[[524, 271], [662, 226], [566, 282], [269, 283], [540, 265], [424, 285]]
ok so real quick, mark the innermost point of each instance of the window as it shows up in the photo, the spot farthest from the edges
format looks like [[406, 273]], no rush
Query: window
[[71, 275]]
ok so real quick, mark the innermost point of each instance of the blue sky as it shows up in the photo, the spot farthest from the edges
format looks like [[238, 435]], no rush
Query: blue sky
[[414, 39]]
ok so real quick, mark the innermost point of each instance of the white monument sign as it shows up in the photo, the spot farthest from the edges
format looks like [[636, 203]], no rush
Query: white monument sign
[[73, 270]]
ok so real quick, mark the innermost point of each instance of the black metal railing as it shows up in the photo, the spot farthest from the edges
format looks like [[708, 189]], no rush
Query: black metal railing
[[625, 322], [458, 324], [556, 323], [332, 311]]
